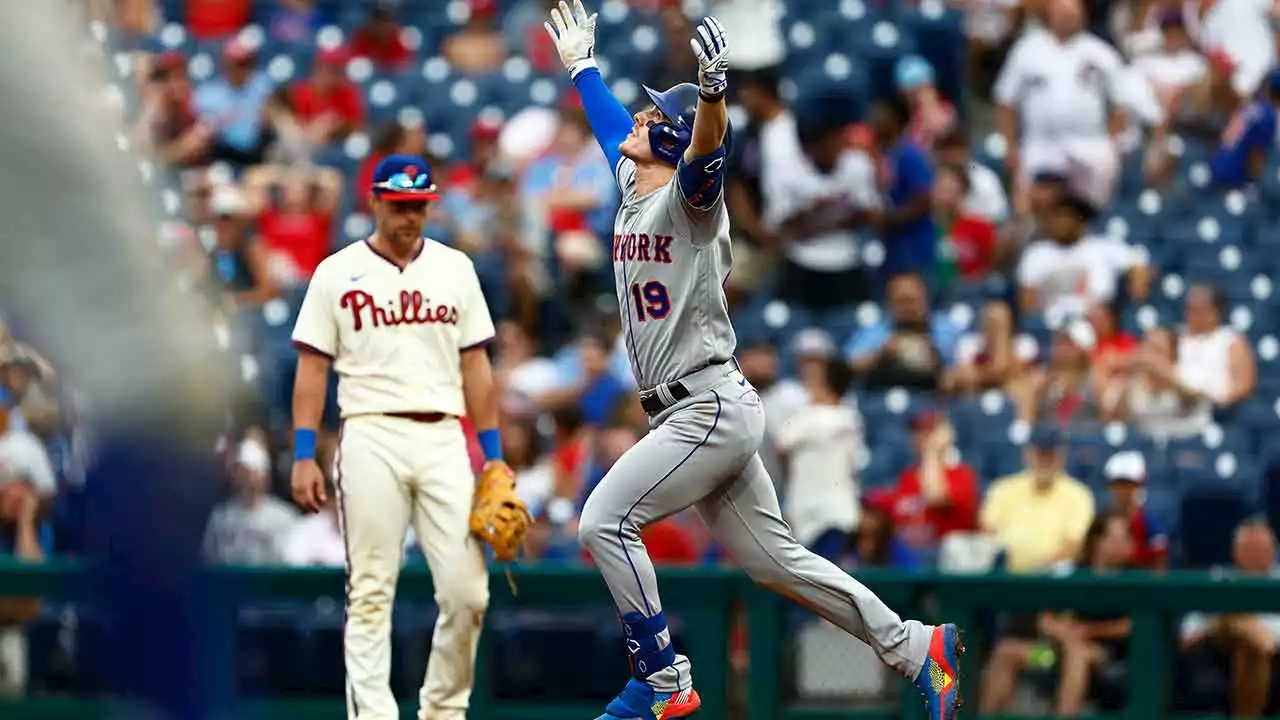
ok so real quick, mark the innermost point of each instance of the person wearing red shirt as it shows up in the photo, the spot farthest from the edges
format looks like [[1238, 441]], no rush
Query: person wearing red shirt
[[327, 104], [1126, 474], [213, 19], [296, 229], [934, 496], [379, 40]]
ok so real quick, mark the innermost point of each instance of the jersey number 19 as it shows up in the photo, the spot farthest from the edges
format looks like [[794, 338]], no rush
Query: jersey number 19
[[651, 300]]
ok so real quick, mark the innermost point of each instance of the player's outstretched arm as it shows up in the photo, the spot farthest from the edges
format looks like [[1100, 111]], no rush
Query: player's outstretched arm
[[711, 120], [701, 170], [574, 35]]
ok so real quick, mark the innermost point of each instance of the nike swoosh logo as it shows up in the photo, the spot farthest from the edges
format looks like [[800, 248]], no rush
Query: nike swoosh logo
[[356, 277], [742, 382]]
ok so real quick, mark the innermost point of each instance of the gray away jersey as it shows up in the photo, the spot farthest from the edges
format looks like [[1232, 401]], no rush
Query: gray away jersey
[[670, 264]]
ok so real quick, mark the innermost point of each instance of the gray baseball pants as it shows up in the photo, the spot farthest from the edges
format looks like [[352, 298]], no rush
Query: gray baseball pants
[[702, 452]]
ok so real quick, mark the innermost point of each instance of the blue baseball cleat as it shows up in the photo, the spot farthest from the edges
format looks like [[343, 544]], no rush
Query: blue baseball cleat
[[939, 678], [638, 701]]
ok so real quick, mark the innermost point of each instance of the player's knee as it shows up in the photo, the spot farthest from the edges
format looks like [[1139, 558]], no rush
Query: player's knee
[[370, 606], [596, 526], [470, 597]]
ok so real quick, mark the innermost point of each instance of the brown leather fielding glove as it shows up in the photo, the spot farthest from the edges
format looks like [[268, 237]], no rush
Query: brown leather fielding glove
[[498, 516]]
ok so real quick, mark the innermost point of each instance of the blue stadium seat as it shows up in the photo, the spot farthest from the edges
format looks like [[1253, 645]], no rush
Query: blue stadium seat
[[1207, 520]]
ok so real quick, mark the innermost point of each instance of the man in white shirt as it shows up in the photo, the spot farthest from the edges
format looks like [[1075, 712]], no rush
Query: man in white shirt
[[401, 319], [1057, 101], [818, 194], [246, 530], [1069, 271]]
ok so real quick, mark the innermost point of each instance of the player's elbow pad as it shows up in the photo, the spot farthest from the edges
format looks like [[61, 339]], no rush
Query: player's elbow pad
[[702, 179]]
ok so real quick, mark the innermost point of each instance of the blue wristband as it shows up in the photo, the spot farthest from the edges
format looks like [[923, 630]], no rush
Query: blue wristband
[[304, 444], [491, 444]]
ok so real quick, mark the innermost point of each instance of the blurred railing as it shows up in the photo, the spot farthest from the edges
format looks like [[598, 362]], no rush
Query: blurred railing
[[706, 600]]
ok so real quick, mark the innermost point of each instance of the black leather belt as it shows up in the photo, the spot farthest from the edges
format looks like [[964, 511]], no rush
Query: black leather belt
[[652, 403]]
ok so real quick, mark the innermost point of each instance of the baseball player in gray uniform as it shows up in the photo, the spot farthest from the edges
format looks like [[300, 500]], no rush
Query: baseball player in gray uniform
[[671, 257]]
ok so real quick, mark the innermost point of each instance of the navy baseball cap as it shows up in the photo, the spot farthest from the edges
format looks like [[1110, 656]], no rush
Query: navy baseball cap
[[404, 177], [1047, 437]]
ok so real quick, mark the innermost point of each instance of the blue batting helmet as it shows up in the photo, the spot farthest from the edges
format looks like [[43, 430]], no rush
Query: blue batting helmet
[[670, 139]]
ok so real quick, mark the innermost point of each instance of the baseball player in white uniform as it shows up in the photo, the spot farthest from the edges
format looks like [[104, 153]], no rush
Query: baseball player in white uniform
[[671, 257], [402, 321]]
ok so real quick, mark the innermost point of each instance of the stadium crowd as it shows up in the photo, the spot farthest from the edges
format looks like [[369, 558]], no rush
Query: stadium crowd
[[1002, 276]]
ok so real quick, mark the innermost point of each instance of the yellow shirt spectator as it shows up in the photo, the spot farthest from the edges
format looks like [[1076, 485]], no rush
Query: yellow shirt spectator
[[1037, 524]]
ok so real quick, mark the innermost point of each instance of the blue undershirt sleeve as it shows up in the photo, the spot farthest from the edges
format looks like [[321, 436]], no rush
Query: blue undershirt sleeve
[[609, 120]]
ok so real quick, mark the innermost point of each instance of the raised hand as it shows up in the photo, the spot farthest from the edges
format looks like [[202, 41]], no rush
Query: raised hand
[[712, 51], [574, 33]]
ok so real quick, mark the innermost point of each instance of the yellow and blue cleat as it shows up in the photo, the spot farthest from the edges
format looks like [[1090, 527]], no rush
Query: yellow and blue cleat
[[639, 701], [939, 678]]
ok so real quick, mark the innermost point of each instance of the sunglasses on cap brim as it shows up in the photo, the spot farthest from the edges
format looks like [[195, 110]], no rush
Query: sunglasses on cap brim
[[401, 187]]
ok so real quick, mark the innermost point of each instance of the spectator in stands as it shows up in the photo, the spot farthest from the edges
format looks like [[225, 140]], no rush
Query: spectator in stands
[[378, 39], [1071, 270], [572, 189], [1126, 474], [1215, 362], [1113, 343], [823, 447], [327, 104], [523, 377], [316, 540], [295, 209], [1081, 642], [811, 348], [1239, 37], [932, 116], [20, 538], [1174, 70], [910, 348], [535, 476], [966, 243], [395, 138], [876, 545], [676, 64], [215, 19], [168, 127], [1248, 140], [938, 493], [818, 196], [768, 118], [296, 21], [1053, 98], [477, 47], [1061, 389], [1038, 516], [248, 528], [593, 389], [12, 347], [990, 27], [906, 184], [987, 198], [23, 458], [235, 103], [991, 357], [1144, 394], [239, 270], [1249, 640]]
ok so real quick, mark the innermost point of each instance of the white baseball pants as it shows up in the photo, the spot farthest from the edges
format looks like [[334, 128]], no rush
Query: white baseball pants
[[390, 472]]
